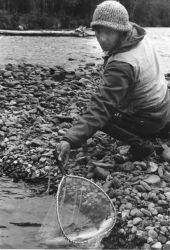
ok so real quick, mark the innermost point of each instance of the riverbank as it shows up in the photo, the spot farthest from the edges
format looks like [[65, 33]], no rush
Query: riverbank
[[38, 104]]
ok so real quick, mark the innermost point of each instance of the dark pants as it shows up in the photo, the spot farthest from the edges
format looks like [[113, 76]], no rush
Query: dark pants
[[131, 129]]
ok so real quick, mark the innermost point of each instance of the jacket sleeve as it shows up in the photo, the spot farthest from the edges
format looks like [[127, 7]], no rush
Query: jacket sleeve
[[117, 79]]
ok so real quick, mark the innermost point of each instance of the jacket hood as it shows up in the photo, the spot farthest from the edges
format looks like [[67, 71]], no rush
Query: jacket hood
[[132, 38]]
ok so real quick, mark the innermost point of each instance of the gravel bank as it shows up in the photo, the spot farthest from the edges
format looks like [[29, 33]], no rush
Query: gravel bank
[[38, 104]]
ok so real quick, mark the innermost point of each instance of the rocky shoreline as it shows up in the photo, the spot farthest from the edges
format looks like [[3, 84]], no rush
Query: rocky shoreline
[[38, 104]]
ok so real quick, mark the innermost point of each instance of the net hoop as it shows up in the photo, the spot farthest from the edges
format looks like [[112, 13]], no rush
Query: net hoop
[[57, 210]]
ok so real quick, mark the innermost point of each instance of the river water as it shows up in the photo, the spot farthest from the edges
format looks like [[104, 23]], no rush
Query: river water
[[21, 215], [61, 50], [19, 207]]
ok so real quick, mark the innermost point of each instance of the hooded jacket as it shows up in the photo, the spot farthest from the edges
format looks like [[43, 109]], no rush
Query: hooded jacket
[[133, 83]]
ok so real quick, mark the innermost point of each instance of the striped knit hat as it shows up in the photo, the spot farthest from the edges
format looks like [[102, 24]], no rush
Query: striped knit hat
[[111, 14]]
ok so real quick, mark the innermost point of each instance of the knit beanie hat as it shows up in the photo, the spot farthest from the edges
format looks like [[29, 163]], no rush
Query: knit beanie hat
[[111, 14]]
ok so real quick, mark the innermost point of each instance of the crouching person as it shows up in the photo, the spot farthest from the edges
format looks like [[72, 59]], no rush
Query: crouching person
[[132, 104]]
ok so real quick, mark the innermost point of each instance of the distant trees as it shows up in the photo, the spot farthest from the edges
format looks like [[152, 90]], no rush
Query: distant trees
[[130, 6], [57, 14], [153, 12]]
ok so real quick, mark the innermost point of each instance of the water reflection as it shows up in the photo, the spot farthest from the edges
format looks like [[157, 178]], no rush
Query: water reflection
[[21, 215]]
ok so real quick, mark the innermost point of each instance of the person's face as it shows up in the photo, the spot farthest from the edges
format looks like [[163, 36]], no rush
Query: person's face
[[107, 37]]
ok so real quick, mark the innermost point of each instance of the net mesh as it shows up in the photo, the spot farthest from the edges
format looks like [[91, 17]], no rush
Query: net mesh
[[85, 212], [82, 213]]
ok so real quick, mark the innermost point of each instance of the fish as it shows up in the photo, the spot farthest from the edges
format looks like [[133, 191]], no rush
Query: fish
[[93, 232], [83, 236]]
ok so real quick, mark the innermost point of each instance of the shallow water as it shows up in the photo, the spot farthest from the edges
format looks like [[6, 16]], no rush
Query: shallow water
[[21, 214], [69, 51], [49, 51]]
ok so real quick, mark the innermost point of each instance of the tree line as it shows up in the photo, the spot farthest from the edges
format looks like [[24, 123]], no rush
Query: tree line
[[68, 14]]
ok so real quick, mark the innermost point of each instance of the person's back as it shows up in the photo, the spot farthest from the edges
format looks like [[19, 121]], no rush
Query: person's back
[[149, 95], [133, 102]]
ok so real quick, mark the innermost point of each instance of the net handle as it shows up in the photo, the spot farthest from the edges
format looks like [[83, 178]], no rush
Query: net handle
[[59, 163]]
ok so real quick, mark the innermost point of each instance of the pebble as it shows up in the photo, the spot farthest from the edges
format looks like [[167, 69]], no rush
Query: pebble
[[140, 188], [152, 167], [125, 214], [162, 203], [146, 186], [167, 194], [146, 247], [127, 166], [101, 173], [162, 239], [90, 175], [167, 246], [156, 246], [128, 205], [107, 185], [141, 163], [130, 223], [136, 221], [165, 222], [160, 210], [166, 176], [153, 179], [136, 213], [146, 212], [153, 211], [160, 171], [153, 234], [116, 182]]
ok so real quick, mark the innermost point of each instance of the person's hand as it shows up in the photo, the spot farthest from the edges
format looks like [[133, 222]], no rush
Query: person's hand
[[63, 150]]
